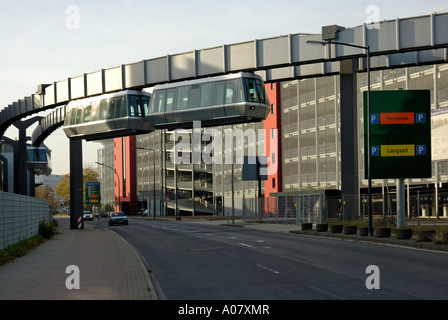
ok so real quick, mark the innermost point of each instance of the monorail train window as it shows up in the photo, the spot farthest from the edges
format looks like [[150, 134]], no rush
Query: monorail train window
[[41, 155], [240, 91], [182, 98], [170, 99], [256, 92], [158, 102], [117, 108], [123, 110], [151, 106], [87, 113], [230, 90], [71, 117], [206, 94], [94, 111], [78, 113], [138, 106], [103, 109], [37, 155], [220, 89], [112, 104], [145, 105], [134, 106], [261, 91], [251, 90]]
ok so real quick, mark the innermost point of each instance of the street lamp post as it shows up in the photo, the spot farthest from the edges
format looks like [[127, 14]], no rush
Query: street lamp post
[[369, 169], [118, 182], [154, 177]]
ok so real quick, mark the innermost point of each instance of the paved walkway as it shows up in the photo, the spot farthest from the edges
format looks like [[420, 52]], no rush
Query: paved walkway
[[109, 268]]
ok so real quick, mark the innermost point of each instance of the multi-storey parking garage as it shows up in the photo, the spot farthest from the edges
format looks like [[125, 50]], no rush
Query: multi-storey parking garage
[[309, 155]]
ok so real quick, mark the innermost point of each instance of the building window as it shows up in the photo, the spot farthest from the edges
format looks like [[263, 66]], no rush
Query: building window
[[273, 183], [273, 108]]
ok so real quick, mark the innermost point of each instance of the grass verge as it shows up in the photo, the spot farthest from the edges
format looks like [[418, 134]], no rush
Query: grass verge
[[46, 231]]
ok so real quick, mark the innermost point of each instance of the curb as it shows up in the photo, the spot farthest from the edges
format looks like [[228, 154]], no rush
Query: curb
[[143, 265], [412, 243]]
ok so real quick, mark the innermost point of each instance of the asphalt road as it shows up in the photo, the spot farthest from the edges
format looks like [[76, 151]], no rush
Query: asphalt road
[[209, 262]]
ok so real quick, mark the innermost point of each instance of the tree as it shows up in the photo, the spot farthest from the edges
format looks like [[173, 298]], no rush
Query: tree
[[46, 193], [62, 190], [90, 174]]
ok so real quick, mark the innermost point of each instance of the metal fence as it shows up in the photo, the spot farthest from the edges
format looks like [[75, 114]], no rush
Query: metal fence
[[20, 217], [286, 209], [318, 208]]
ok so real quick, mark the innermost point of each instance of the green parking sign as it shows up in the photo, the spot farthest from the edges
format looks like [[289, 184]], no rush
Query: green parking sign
[[93, 192], [400, 134]]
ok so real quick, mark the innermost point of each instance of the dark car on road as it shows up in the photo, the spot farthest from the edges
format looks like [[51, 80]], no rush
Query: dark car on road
[[118, 218]]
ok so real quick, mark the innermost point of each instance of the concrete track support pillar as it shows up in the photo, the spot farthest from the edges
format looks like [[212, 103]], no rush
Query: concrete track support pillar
[[349, 139], [76, 185]]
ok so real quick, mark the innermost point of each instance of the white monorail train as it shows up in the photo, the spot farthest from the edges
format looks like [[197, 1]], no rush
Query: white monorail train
[[221, 100], [108, 116]]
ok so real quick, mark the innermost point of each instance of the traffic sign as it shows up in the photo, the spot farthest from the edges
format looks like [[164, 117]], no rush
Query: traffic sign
[[400, 134], [93, 192]]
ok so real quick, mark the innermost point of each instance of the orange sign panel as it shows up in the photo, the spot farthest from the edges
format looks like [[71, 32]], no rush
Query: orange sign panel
[[398, 118]]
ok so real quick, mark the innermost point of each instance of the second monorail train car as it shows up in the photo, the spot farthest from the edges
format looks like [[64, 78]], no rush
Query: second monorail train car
[[221, 100], [108, 116], [39, 160]]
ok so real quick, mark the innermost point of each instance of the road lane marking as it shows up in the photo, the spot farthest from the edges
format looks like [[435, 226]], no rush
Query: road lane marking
[[327, 293], [267, 269], [219, 236]]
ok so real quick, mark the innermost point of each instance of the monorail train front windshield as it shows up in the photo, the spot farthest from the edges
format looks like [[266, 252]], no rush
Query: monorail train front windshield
[[36, 155], [256, 91]]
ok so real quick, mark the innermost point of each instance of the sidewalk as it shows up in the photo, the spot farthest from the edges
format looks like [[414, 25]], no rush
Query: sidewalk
[[109, 268]]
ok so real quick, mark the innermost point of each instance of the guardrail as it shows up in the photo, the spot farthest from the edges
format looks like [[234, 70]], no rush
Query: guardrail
[[19, 217]]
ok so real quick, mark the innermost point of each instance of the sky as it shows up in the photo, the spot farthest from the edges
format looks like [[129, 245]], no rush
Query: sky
[[46, 41]]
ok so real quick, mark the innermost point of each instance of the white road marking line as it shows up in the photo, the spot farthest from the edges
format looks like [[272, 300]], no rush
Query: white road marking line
[[246, 245], [267, 269], [219, 236], [327, 293]]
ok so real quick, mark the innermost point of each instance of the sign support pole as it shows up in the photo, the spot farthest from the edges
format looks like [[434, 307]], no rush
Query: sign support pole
[[401, 205]]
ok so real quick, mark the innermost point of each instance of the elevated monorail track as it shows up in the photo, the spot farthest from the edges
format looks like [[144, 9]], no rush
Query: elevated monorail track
[[395, 43]]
